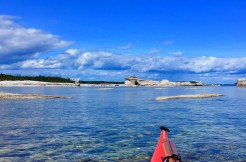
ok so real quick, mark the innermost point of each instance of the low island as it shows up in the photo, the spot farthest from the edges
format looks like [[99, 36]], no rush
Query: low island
[[187, 96], [135, 81], [241, 82], [13, 96]]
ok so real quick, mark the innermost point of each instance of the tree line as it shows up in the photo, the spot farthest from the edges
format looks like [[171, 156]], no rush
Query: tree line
[[50, 79], [35, 78]]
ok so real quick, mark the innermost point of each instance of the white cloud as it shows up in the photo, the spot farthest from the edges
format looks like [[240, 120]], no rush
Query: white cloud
[[94, 65], [41, 64], [73, 51], [124, 47], [18, 43], [135, 63]]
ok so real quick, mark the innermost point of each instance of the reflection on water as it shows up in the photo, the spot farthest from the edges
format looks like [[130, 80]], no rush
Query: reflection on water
[[122, 124]]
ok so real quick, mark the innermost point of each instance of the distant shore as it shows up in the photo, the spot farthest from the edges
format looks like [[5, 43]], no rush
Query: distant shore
[[30, 83]]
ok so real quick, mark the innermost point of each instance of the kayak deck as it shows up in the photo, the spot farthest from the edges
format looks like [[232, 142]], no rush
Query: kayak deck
[[165, 150]]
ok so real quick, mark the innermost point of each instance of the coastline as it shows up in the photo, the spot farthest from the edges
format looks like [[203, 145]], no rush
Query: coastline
[[30, 83]]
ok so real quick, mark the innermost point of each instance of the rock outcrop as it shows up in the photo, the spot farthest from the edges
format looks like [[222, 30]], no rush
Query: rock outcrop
[[184, 83], [14, 96], [241, 82], [134, 81], [187, 96], [77, 82]]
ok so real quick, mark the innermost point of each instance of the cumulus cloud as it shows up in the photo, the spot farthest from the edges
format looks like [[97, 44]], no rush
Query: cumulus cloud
[[72, 51], [105, 61], [97, 60], [100, 64], [41, 64], [18, 43]]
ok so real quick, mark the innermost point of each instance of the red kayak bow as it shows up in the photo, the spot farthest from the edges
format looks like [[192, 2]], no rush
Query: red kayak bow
[[165, 150]]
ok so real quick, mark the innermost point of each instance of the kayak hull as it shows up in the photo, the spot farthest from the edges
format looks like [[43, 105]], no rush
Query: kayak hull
[[165, 150], [159, 150]]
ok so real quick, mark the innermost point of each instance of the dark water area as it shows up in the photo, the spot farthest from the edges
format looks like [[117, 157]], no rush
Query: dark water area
[[122, 124]]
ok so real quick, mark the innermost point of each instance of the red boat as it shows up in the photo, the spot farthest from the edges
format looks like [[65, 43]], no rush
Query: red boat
[[165, 150]]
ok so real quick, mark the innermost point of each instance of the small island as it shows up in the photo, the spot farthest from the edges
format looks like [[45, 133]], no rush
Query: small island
[[241, 82], [134, 81], [187, 96], [14, 96]]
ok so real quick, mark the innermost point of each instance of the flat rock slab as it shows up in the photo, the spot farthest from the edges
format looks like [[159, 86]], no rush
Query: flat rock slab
[[13, 96], [187, 96]]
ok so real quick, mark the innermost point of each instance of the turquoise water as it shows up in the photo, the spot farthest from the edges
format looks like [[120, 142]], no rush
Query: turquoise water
[[122, 124]]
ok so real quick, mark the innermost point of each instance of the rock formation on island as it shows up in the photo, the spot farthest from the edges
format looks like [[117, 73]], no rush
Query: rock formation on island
[[77, 82], [241, 82], [134, 81]]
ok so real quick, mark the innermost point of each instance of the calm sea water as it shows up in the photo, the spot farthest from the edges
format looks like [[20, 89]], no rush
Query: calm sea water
[[122, 124]]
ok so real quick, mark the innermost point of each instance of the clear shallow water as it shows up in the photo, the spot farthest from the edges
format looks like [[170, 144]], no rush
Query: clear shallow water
[[122, 124]]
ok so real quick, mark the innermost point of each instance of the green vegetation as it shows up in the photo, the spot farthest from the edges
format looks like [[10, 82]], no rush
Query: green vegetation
[[51, 79], [36, 78]]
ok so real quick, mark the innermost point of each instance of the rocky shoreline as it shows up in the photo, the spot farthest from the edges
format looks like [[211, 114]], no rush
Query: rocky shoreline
[[134, 81], [30, 83], [131, 81], [33, 83]]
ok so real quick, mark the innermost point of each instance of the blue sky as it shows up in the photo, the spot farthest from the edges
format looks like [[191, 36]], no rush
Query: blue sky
[[112, 39]]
